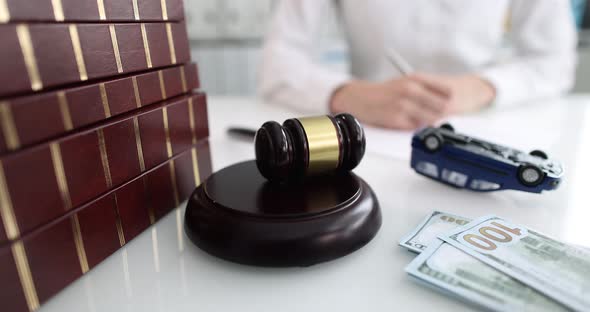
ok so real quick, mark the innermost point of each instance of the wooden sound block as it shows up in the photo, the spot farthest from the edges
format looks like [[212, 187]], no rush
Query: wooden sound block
[[238, 215]]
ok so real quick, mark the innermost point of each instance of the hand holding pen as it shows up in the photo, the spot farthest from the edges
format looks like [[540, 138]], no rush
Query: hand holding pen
[[407, 102]]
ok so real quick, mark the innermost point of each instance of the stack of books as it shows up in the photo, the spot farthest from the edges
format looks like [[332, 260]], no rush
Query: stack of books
[[101, 134]]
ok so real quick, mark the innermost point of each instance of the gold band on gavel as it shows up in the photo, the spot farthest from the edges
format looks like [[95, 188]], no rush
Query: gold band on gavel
[[322, 142]]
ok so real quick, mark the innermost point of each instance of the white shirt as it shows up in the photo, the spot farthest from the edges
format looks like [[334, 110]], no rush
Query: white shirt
[[434, 36]]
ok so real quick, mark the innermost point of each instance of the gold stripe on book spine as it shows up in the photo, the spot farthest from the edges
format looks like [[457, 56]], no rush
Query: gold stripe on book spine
[[104, 157], [26, 46], [58, 10], [150, 208], [24, 274], [195, 166], [169, 152], [162, 85], [119, 223], [78, 52], [136, 92], [191, 119], [167, 132], [4, 13], [60, 175], [80, 250], [174, 185], [138, 144], [6, 209], [65, 110], [8, 126], [164, 10], [115, 43], [146, 46], [101, 11], [183, 79], [105, 100], [171, 43], [135, 10]]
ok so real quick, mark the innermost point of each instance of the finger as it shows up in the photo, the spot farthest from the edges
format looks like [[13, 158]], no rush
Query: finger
[[403, 122], [433, 83], [421, 115], [415, 123], [430, 100], [395, 117]]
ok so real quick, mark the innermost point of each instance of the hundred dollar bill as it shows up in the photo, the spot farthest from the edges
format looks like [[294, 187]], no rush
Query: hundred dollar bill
[[455, 272], [558, 270], [433, 225]]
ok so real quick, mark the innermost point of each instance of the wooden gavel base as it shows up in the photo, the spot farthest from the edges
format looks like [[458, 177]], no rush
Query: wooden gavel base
[[237, 215]]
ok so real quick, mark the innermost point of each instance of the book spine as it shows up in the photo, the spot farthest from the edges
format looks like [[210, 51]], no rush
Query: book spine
[[58, 112], [12, 11], [41, 183], [36, 57], [42, 263]]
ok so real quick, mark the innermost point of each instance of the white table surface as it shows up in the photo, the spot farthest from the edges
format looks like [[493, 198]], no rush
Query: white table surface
[[161, 270]]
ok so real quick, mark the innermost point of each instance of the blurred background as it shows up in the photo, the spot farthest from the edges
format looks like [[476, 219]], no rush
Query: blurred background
[[226, 38]]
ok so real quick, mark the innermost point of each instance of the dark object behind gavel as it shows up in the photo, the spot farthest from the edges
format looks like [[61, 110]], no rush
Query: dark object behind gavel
[[309, 146]]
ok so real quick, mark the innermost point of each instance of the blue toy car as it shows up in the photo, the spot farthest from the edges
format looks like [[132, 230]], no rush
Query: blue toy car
[[466, 162]]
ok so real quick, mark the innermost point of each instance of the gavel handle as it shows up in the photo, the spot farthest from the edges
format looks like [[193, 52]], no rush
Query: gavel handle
[[242, 133]]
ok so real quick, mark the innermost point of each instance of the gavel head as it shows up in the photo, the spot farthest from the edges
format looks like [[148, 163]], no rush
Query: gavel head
[[309, 146]]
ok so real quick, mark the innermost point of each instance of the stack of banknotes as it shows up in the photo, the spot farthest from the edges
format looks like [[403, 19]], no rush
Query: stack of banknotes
[[499, 265]]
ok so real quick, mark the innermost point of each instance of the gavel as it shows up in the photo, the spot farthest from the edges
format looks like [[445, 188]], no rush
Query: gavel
[[308, 146]]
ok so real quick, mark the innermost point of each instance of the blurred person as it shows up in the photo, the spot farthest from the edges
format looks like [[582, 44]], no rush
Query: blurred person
[[452, 46]]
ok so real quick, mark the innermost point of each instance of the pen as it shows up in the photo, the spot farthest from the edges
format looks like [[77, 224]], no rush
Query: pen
[[240, 132], [399, 62]]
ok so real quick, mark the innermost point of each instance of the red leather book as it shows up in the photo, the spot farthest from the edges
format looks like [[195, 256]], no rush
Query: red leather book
[[41, 263], [91, 10], [55, 113], [36, 57], [41, 183]]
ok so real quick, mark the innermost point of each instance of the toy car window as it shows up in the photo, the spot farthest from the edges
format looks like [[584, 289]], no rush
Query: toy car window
[[427, 168], [454, 177], [482, 144], [483, 185]]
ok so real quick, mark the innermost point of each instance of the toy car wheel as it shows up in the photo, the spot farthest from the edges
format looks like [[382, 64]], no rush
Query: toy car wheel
[[539, 154], [433, 142], [447, 126], [530, 175]]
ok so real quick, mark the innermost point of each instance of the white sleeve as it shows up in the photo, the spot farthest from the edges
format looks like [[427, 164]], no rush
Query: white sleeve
[[544, 63], [288, 74]]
